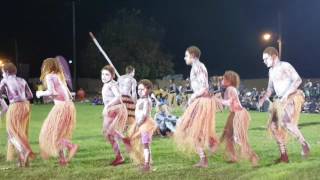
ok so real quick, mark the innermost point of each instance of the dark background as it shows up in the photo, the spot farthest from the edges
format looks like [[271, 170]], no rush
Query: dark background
[[227, 31]]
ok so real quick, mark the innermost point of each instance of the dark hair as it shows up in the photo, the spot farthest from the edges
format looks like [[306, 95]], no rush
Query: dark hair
[[129, 69], [233, 78], [10, 68], [147, 84], [271, 51], [195, 51], [110, 69]]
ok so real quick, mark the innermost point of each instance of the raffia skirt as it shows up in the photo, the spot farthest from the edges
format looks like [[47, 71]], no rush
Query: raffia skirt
[[141, 135], [196, 128], [115, 119], [17, 123], [58, 126], [278, 109]]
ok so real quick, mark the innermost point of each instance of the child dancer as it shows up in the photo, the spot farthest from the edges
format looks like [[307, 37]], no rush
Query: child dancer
[[236, 128], [145, 126], [56, 132], [18, 114], [114, 113], [196, 128]]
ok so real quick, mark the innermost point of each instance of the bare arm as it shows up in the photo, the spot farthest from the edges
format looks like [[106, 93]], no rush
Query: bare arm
[[267, 94], [143, 114], [295, 80], [2, 88], [133, 90], [50, 88], [28, 91], [231, 94], [4, 106]]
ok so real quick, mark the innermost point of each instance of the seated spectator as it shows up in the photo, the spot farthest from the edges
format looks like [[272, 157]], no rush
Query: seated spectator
[[81, 94], [166, 123]]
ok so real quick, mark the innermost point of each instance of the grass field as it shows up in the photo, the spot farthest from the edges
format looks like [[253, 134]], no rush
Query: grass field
[[94, 156]]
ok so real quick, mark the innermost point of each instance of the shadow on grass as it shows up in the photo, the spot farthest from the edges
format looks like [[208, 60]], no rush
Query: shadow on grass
[[87, 137], [258, 129], [308, 124]]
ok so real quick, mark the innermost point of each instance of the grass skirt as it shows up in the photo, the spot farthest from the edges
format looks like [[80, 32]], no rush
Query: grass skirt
[[236, 133], [147, 128], [277, 111], [18, 117], [196, 128], [58, 126], [115, 118]]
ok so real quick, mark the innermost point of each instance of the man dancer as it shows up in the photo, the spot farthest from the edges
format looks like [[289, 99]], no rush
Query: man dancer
[[127, 87], [285, 110]]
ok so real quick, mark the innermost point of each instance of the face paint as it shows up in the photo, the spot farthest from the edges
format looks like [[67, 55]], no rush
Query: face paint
[[188, 58], [224, 83], [267, 60], [142, 91], [105, 76]]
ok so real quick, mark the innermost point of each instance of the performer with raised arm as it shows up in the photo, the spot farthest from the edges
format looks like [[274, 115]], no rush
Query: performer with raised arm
[[236, 129], [114, 113], [127, 86], [56, 132], [196, 128], [286, 108], [18, 114]]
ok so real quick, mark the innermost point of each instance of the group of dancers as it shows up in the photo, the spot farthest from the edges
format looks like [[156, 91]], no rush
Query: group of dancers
[[56, 132], [128, 119]]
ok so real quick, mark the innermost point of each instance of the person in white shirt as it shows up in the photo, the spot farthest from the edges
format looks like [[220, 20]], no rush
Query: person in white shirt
[[285, 110]]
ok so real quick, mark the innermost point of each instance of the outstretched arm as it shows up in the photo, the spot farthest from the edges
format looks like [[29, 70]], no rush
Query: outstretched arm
[[50, 88], [230, 95]]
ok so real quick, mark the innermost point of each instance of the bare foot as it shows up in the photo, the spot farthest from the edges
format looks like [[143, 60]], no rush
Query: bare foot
[[213, 144], [255, 161], [203, 163], [305, 150], [145, 168], [73, 151], [63, 162]]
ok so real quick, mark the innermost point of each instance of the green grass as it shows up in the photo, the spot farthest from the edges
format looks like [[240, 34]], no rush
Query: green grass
[[94, 156]]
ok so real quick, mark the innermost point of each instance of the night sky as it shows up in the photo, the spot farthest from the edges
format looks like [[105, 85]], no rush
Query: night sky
[[227, 31]]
